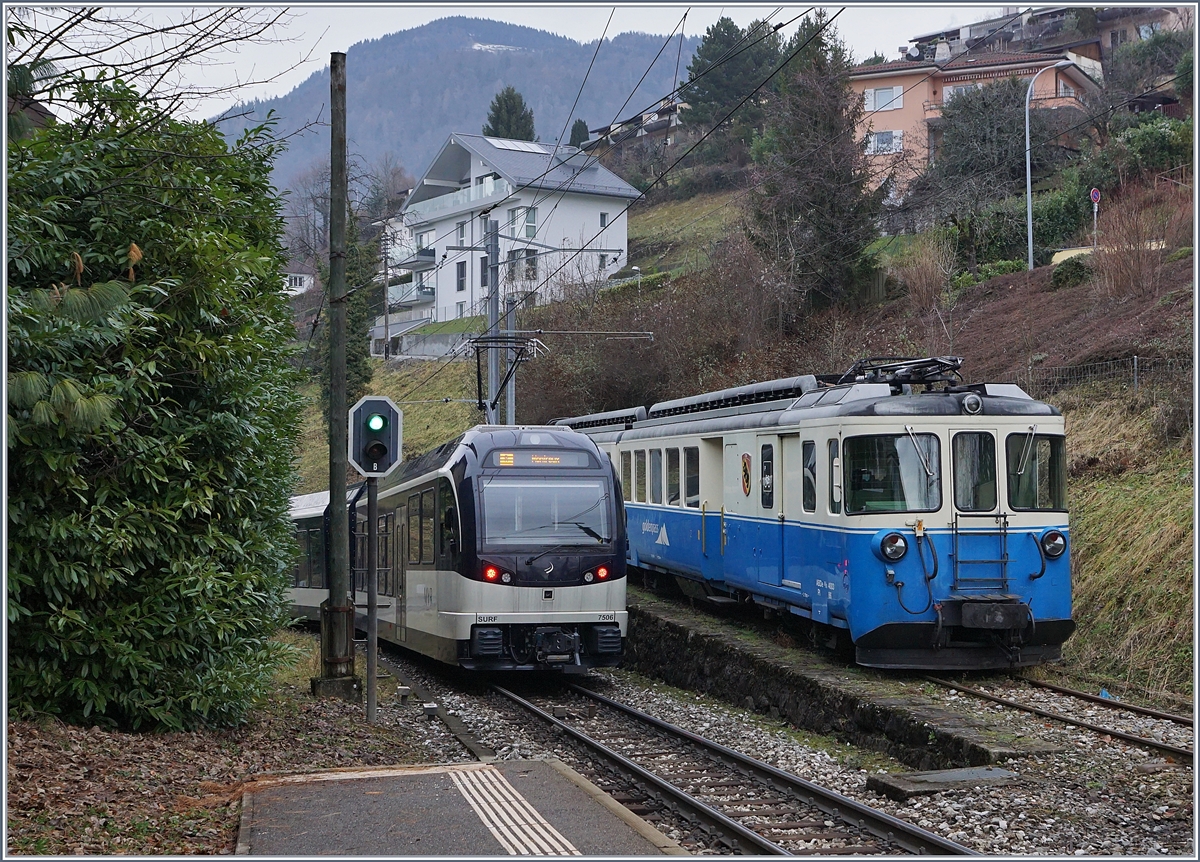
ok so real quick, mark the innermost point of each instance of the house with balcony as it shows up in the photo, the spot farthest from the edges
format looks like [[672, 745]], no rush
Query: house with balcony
[[903, 99], [561, 217]]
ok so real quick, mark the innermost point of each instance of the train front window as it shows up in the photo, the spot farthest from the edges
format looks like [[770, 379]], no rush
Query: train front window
[[1037, 471], [892, 473], [541, 511], [975, 471]]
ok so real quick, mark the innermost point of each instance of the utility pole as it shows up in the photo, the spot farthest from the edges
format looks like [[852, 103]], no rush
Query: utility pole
[[493, 253], [387, 328], [510, 390], [337, 612]]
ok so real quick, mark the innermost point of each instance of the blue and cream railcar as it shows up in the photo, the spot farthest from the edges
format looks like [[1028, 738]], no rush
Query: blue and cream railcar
[[503, 549], [929, 525]]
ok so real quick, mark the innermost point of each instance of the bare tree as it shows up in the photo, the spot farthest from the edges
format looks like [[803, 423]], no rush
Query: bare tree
[[154, 49]]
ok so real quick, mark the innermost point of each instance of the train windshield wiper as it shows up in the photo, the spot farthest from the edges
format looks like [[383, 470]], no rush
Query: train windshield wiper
[[552, 549], [591, 532]]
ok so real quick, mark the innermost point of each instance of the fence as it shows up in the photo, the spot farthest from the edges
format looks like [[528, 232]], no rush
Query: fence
[[1133, 372]]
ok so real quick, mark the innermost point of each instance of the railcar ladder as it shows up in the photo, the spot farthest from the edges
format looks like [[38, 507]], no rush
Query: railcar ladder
[[999, 582]]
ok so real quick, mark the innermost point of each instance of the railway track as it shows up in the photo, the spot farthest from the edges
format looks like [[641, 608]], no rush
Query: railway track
[[1154, 735], [746, 805]]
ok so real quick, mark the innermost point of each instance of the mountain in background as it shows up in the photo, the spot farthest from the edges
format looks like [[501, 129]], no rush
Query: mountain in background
[[408, 91]]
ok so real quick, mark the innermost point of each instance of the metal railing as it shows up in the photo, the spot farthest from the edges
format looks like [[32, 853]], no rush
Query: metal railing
[[1134, 372]]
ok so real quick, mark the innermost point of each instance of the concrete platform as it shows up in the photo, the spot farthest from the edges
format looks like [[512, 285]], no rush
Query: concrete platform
[[516, 807], [905, 785]]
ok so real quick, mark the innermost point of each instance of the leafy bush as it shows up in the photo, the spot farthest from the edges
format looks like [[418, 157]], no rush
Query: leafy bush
[[151, 419], [1156, 145], [1072, 271], [989, 271]]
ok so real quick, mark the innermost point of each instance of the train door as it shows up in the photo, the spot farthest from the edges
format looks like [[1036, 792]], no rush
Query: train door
[[738, 527], [979, 548], [769, 497], [796, 485], [834, 566], [399, 569]]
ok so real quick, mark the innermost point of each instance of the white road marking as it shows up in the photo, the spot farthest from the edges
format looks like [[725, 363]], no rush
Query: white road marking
[[516, 824]]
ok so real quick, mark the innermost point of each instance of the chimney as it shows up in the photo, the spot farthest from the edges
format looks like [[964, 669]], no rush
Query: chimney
[[941, 54]]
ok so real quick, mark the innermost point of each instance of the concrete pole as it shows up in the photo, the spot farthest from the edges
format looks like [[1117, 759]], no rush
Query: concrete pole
[[337, 617], [1061, 64], [493, 247], [510, 391]]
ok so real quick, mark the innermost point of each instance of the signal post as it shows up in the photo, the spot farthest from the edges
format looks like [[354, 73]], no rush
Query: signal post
[[375, 432]]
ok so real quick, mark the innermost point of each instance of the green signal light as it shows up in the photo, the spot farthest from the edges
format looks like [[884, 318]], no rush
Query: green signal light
[[375, 422]]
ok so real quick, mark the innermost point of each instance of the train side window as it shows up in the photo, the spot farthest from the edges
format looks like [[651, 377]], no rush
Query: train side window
[[627, 475], [447, 525], [427, 511], [809, 453], [383, 559], [656, 476], [414, 528], [691, 476], [673, 477], [639, 481], [767, 456], [835, 505], [975, 471]]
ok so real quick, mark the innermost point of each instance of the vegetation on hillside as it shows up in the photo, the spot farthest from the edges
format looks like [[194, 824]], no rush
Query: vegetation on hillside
[[151, 411]]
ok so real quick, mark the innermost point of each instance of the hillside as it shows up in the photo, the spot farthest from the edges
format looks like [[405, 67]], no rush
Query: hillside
[[407, 91]]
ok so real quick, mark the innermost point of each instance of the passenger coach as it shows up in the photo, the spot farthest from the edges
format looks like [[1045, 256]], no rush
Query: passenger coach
[[925, 519], [503, 549]]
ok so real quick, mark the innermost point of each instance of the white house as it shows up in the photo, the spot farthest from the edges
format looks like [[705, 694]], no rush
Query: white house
[[561, 214]]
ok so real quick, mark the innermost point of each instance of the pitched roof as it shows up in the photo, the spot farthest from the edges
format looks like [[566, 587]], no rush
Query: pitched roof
[[962, 61], [539, 166]]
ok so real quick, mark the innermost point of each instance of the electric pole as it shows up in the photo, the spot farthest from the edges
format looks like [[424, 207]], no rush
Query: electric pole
[[493, 253], [337, 612], [510, 390]]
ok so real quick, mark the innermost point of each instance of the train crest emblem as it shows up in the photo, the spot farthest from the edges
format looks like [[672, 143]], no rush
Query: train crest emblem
[[746, 473]]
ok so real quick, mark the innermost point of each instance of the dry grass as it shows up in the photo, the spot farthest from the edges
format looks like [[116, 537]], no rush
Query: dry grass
[[425, 424], [924, 267], [680, 233], [1131, 531], [1137, 235]]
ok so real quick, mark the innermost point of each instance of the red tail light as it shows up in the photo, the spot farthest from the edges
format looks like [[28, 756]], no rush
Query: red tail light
[[491, 573], [602, 572]]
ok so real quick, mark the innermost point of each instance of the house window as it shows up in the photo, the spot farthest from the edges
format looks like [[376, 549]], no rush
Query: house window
[[462, 233], [1065, 90], [483, 271], [425, 239], [603, 220], [513, 256], [603, 261], [514, 215], [296, 282], [531, 264], [460, 275], [1145, 31], [880, 143], [461, 308], [958, 90], [884, 99], [530, 222]]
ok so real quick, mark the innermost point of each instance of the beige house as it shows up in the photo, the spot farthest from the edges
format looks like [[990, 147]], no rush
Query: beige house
[[903, 99]]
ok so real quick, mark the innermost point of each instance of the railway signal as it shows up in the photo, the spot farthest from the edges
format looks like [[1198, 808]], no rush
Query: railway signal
[[374, 436]]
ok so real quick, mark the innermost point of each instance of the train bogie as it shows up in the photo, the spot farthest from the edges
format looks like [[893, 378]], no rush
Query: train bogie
[[501, 550]]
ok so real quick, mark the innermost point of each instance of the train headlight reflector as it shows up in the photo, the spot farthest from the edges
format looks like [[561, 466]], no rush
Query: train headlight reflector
[[893, 546], [1053, 544], [972, 403], [491, 573], [506, 578], [602, 572], [588, 577]]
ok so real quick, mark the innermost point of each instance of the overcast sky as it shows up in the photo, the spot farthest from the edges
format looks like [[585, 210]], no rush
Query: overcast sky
[[320, 28]]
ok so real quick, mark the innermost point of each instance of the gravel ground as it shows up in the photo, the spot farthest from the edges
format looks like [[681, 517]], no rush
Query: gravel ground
[[1095, 797]]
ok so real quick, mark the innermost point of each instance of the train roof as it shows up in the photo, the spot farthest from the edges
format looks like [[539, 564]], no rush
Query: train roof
[[314, 505], [876, 386]]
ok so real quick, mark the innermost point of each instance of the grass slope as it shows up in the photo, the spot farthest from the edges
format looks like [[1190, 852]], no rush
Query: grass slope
[[411, 385], [680, 234]]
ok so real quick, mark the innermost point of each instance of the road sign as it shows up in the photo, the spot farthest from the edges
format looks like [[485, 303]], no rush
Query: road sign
[[375, 435], [1095, 196]]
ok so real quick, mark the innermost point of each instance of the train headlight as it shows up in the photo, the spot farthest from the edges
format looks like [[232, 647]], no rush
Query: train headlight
[[893, 546], [602, 572], [490, 573], [588, 577], [972, 403], [506, 578], [1053, 544]]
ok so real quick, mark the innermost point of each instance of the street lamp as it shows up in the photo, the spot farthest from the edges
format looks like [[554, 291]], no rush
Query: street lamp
[[1061, 64]]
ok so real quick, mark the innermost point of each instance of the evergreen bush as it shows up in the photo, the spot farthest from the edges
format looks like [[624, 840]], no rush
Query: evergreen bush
[[1072, 271], [151, 419]]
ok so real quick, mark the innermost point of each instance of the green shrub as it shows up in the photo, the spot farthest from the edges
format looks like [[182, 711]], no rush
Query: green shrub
[[151, 418], [1179, 254], [1072, 271], [1002, 267]]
